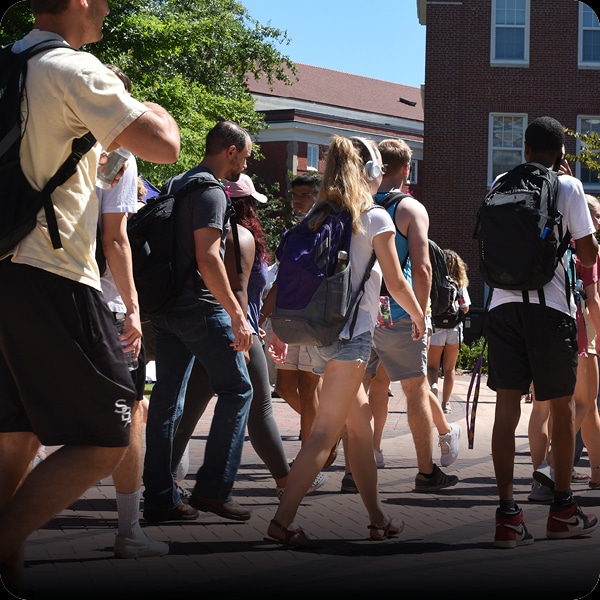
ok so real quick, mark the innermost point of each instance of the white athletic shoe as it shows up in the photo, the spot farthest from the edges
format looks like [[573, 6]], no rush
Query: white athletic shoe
[[139, 548], [449, 445]]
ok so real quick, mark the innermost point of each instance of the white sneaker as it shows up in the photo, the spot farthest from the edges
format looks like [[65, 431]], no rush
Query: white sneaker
[[320, 481], [449, 445], [434, 389], [139, 548], [540, 493], [544, 474], [379, 459]]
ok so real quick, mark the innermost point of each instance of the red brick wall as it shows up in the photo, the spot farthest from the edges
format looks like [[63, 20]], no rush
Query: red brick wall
[[462, 89]]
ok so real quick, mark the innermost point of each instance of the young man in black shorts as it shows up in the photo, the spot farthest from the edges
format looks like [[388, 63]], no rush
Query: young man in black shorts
[[63, 380], [537, 341]]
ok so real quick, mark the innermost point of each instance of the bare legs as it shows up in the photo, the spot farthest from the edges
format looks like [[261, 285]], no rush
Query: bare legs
[[342, 401], [63, 477]]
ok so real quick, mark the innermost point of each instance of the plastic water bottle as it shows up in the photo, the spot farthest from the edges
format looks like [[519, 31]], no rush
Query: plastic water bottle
[[107, 172], [342, 261], [132, 362]]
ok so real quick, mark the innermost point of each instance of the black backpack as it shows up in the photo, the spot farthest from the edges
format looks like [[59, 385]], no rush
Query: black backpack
[[151, 232], [443, 289], [20, 203], [518, 248]]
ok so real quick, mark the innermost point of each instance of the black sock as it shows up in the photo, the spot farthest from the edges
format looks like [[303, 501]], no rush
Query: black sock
[[508, 506], [428, 475], [562, 499]]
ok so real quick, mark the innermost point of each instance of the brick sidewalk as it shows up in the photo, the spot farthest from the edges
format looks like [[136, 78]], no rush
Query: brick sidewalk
[[446, 547]]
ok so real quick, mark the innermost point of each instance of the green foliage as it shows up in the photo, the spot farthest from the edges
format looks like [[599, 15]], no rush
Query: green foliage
[[589, 154], [468, 355], [190, 56]]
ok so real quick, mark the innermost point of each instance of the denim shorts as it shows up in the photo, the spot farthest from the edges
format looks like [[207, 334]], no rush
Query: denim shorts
[[358, 348]]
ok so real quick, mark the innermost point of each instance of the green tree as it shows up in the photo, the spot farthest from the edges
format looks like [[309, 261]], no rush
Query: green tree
[[190, 56], [589, 154]]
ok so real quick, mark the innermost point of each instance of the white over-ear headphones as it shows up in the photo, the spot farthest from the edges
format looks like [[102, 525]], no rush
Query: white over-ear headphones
[[372, 168]]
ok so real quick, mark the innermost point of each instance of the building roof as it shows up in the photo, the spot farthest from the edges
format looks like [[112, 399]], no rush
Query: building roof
[[343, 90]]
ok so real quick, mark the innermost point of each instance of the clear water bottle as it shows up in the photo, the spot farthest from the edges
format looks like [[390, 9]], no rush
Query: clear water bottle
[[132, 362], [107, 172], [342, 261]]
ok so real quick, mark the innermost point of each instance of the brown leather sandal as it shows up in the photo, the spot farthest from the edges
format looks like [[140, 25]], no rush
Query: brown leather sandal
[[291, 537], [382, 532]]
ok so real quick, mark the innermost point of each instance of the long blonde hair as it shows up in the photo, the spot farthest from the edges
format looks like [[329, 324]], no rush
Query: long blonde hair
[[344, 182], [457, 268]]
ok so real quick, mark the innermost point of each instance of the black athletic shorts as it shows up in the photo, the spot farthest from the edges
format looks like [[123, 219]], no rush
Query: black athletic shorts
[[62, 373], [529, 342]]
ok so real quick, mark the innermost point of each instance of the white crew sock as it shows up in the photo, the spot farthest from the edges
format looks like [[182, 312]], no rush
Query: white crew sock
[[128, 511]]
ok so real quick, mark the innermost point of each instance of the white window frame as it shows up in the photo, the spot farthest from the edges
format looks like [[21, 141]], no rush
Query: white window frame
[[503, 62], [588, 185], [589, 64], [312, 157], [492, 148]]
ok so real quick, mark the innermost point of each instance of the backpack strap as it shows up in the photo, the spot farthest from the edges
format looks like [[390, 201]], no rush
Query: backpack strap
[[388, 200], [361, 291], [78, 148]]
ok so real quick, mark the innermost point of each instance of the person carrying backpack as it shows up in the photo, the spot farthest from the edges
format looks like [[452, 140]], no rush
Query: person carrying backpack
[[393, 349], [447, 336], [352, 174], [206, 324], [63, 380], [532, 336]]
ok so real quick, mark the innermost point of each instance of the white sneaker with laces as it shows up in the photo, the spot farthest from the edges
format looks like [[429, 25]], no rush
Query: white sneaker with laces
[[449, 445], [379, 459], [320, 481], [544, 474], [139, 548]]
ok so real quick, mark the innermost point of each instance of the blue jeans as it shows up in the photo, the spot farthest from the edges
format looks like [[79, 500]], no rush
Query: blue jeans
[[202, 331]]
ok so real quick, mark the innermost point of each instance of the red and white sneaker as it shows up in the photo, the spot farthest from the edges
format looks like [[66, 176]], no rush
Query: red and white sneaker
[[570, 522], [511, 531]]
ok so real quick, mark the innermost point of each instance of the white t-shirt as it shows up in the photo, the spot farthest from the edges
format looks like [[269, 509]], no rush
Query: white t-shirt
[[122, 198], [576, 217], [68, 94], [375, 222]]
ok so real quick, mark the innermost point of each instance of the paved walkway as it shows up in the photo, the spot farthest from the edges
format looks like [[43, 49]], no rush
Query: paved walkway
[[446, 547]]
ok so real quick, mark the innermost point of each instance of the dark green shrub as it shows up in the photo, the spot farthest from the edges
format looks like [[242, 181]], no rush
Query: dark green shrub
[[468, 355]]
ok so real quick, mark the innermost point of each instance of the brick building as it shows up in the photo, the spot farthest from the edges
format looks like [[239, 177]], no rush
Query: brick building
[[492, 66], [302, 117]]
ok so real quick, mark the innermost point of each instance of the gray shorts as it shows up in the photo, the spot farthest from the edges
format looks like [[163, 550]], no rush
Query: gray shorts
[[401, 356]]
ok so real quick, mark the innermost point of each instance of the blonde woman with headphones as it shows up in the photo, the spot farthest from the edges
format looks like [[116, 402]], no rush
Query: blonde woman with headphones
[[353, 172]]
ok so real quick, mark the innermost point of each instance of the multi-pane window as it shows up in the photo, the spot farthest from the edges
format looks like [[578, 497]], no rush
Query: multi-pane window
[[510, 32], [506, 135], [589, 178], [589, 37], [312, 157]]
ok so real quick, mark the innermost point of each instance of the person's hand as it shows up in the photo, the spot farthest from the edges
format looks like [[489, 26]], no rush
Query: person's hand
[[418, 327], [276, 348], [131, 338], [242, 335], [565, 167], [104, 159]]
